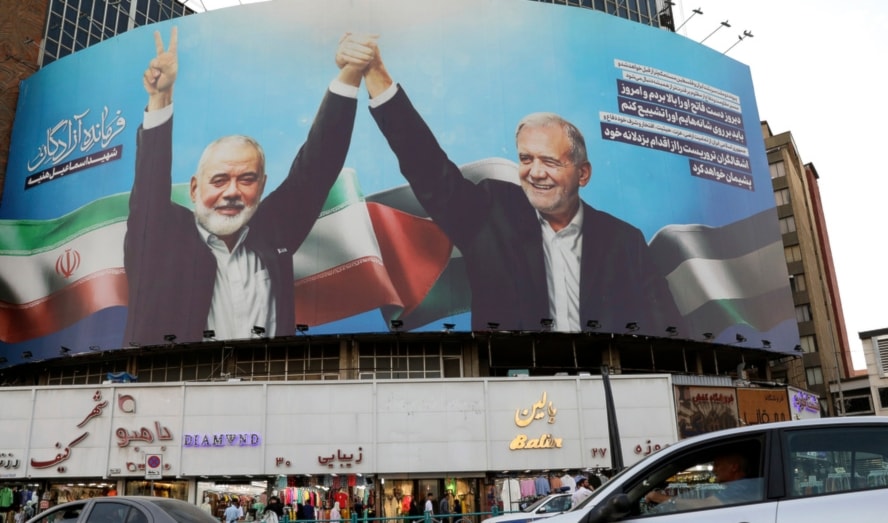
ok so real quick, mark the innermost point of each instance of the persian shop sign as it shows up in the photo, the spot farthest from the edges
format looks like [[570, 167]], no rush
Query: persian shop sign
[[524, 417], [222, 439]]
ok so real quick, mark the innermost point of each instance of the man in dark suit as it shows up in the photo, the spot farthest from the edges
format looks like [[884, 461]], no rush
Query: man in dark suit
[[532, 251], [228, 265]]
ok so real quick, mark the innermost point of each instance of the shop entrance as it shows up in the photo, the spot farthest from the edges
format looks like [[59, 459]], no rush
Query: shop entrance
[[215, 496]]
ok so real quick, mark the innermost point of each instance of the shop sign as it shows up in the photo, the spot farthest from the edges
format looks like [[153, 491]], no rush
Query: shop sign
[[339, 458], [161, 433], [805, 402], [8, 461], [647, 449], [64, 450], [540, 410], [223, 439]]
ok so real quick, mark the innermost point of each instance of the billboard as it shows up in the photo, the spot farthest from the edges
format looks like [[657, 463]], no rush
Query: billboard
[[427, 209]]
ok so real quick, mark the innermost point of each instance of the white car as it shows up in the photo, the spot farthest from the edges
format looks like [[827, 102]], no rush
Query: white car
[[546, 507], [808, 471]]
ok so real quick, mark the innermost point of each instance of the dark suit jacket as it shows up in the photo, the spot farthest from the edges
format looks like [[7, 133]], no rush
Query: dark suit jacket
[[171, 271], [499, 235]]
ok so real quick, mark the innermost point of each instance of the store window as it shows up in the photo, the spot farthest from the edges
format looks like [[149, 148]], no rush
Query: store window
[[214, 497], [163, 489]]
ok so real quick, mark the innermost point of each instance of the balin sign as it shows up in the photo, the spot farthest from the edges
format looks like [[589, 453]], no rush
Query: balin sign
[[540, 410]]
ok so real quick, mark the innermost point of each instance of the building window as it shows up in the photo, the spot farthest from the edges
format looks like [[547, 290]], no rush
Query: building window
[[883, 397], [781, 196], [787, 225], [793, 253], [856, 405], [808, 344], [73, 25], [778, 169], [881, 349], [92, 373], [302, 362], [803, 312], [798, 283], [814, 375], [416, 360]]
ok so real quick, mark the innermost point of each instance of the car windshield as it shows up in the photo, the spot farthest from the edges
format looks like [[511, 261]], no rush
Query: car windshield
[[536, 504], [181, 511]]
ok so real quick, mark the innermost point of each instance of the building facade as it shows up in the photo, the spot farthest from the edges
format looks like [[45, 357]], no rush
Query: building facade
[[825, 356], [866, 395], [425, 411], [381, 442]]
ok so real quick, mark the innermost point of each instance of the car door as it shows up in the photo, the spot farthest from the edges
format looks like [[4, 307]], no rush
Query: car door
[[835, 473], [691, 488]]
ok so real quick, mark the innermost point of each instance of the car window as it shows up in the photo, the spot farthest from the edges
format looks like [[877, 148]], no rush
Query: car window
[[68, 514], [534, 505], [181, 511], [136, 516], [833, 460], [109, 512], [707, 476], [559, 504]]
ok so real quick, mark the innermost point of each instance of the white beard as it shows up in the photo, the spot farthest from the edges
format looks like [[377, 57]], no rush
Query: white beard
[[220, 224]]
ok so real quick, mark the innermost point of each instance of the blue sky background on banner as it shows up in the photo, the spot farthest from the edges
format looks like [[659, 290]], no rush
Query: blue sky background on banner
[[473, 69]]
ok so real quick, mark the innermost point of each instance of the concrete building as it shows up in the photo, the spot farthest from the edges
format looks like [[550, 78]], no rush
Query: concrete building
[[825, 356], [350, 395]]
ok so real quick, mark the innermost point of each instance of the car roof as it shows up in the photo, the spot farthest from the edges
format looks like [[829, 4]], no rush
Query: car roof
[[772, 426], [780, 425]]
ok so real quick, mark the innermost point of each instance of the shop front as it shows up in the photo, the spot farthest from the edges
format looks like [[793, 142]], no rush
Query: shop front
[[372, 446]]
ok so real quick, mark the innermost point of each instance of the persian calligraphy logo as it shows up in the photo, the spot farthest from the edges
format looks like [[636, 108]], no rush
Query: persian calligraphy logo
[[67, 263]]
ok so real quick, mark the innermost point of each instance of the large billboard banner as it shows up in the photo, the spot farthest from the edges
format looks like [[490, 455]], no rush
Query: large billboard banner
[[518, 162]]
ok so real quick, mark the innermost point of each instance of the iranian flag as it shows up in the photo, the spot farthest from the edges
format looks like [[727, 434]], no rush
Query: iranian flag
[[360, 255]]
